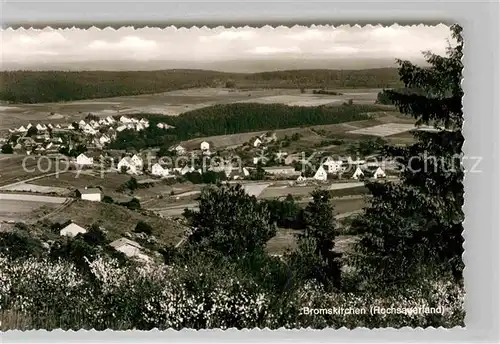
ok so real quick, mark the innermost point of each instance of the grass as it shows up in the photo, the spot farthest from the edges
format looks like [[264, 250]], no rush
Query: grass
[[12, 170], [118, 220]]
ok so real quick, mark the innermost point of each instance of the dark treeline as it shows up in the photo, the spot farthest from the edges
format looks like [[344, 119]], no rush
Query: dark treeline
[[237, 118], [54, 86]]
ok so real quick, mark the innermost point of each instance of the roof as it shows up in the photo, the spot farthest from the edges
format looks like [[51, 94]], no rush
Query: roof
[[124, 241], [89, 191], [74, 226]]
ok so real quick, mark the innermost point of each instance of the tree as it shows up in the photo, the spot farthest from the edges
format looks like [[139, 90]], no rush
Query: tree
[[7, 149], [230, 222], [412, 230], [143, 227], [315, 257], [32, 131]]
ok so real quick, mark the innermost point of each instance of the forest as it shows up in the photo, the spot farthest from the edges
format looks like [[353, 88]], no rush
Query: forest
[[54, 86], [236, 118]]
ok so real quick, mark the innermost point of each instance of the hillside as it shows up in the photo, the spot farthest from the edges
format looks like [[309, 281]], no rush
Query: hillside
[[118, 219], [55, 86], [224, 119]]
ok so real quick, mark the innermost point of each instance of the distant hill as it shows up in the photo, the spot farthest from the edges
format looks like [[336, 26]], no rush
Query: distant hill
[[55, 86]]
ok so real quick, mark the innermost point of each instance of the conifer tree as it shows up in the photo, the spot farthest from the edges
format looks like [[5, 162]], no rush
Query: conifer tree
[[412, 230]]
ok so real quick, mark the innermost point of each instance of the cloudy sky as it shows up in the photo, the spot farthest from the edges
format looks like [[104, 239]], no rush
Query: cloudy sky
[[151, 48]]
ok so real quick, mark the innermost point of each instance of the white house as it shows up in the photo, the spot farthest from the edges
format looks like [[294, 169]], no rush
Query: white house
[[321, 174], [257, 142], [127, 163], [29, 126], [104, 139], [204, 146], [125, 119], [301, 179], [379, 173], [110, 120], [88, 129], [130, 248], [180, 150], [333, 166], [186, 169], [358, 173], [121, 128], [159, 171], [58, 126], [91, 194], [22, 129], [84, 160], [72, 230], [40, 127], [82, 123], [281, 170], [137, 161], [71, 127]]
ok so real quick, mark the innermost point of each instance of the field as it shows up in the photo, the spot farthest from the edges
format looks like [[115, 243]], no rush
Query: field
[[168, 103], [17, 168], [18, 207]]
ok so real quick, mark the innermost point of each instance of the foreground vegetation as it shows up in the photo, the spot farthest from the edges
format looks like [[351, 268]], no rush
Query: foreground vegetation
[[54, 86]]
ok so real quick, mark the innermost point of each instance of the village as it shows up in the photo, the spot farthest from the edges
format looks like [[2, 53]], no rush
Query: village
[[261, 165]]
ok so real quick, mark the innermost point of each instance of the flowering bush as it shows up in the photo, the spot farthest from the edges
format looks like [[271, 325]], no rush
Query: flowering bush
[[54, 294]]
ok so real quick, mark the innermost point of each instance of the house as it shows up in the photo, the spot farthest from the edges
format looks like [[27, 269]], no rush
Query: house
[[125, 119], [144, 121], [72, 230], [257, 142], [281, 155], [40, 127], [137, 161], [379, 173], [281, 170], [301, 179], [29, 126], [88, 129], [84, 160], [58, 126], [121, 128], [204, 146], [90, 194], [110, 120], [139, 127], [358, 173], [159, 171], [258, 159], [128, 247], [127, 164], [104, 139], [321, 174], [82, 123], [22, 129], [71, 127], [179, 150], [333, 166]]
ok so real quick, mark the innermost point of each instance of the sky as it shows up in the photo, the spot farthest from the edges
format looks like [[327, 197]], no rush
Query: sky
[[148, 48]]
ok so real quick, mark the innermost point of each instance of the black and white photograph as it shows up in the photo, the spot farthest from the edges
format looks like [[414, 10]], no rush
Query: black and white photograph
[[232, 177]]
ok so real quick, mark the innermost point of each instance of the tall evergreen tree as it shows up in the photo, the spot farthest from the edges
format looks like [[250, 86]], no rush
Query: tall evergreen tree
[[315, 258], [412, 230]]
